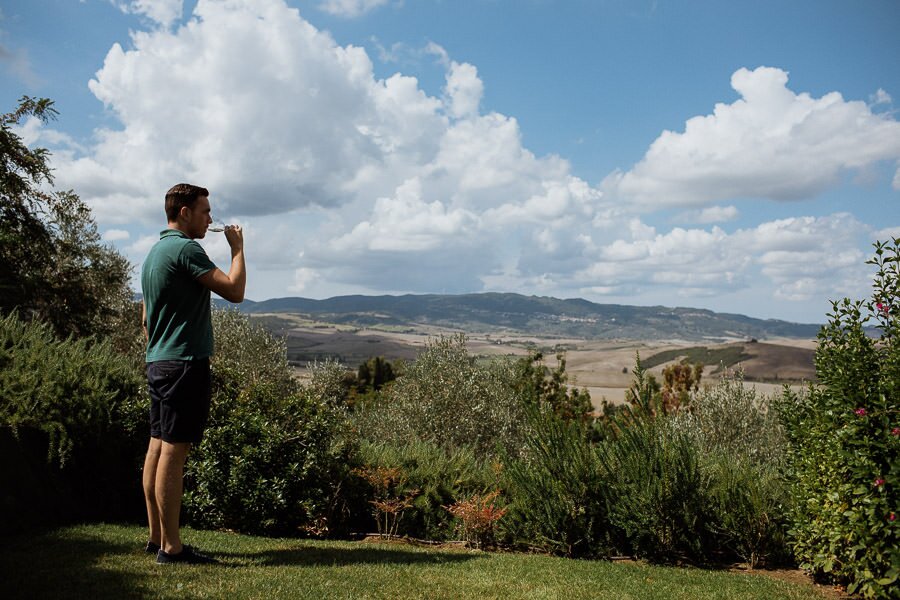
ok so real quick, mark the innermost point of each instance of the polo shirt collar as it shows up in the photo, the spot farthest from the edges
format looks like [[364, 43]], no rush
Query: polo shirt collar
[[172, 232]]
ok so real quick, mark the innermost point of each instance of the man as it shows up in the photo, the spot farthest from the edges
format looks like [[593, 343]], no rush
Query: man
[[176, 281]]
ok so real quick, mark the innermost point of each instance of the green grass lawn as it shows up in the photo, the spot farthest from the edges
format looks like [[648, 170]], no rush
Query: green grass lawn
[[107, 561]]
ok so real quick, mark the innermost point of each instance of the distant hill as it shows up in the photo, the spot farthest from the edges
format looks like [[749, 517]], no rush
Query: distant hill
[[534, 315]]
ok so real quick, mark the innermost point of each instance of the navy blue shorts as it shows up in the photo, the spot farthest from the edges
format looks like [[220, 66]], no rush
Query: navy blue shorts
[[179, 399]]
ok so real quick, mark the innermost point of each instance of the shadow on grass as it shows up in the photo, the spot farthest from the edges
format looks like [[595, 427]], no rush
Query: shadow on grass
[[312, 556], [47, 565]]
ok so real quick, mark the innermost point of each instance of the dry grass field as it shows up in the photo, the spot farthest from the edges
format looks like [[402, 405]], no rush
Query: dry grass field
[[602, 366]]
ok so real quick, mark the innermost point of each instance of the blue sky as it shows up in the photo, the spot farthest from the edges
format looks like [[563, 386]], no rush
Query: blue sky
[[735, 156]]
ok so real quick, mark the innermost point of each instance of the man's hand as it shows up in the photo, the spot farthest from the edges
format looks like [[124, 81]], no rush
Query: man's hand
[[230, 286], [235, 236]]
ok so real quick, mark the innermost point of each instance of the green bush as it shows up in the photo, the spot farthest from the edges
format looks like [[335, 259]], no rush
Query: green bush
[[274, 458], [729, 417], [750, 504], [75, 391], [436, 477], [558, 495], [446, 398], [744, 446], [845, 436], [660, 490], [71, 414]]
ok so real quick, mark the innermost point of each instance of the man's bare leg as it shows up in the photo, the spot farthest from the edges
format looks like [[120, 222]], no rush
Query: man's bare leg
[[149, 480], [169, 487]]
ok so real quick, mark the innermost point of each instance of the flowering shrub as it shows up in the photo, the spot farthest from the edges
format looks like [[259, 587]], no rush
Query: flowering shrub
[[845, 452]]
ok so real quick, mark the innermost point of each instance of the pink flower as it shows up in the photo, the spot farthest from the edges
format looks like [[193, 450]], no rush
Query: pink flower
[[882, 308], [895, 431], [891, 516], [879, 482], [861, 412]]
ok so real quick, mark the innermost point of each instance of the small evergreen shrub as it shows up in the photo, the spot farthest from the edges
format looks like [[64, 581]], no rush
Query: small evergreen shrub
[[558, 496], [750, 504], [744, 446], [76, 391], [659, 490], [71, 417]]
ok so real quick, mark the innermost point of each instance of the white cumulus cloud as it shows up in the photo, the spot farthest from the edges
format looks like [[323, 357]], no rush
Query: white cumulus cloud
[[114, 235], [164, 12], [771, 143], [711, 214], [350, 8]]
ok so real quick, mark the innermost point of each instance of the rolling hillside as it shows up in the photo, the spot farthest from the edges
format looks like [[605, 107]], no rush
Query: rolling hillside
[[536, 315]]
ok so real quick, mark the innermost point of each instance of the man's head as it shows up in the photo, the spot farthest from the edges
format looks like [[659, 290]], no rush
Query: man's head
[[187, 207]]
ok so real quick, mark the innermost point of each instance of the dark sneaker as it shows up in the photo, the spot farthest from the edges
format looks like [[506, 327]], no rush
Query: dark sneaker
[[152, 548], [187, 556]]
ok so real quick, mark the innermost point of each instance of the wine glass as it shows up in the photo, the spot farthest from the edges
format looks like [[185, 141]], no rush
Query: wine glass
[[217, 226]]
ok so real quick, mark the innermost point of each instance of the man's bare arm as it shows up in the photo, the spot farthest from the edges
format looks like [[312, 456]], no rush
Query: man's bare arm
[[230, 286], [144, 321]]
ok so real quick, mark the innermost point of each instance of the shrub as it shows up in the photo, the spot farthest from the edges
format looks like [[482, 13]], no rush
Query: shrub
[[750, 503], [478, 518], [846, 442], [744, 446], [274, 458], [446, 398], [729, 417], [558, 496], [70, 413], [660, 491], [439, 477], [75, 391], [536, 384], [391, 496]]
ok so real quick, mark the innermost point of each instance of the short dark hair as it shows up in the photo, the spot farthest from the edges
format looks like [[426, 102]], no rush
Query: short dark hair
[[180, 195]]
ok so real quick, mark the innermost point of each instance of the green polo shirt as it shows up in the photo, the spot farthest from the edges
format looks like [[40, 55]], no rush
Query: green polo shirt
[[179, 324]]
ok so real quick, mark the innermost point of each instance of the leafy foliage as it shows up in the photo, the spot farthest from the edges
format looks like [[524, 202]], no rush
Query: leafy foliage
[[53, 265], [732, 418], [846, 442], [661, 489], [558, 494], [438, 476], [745, 445], [76, 391], [446, 398], [680, 382], [750, 504], [274, 458], [536, 385]]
